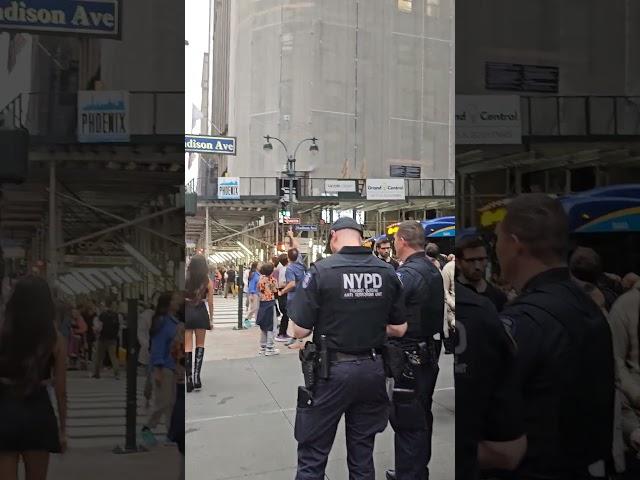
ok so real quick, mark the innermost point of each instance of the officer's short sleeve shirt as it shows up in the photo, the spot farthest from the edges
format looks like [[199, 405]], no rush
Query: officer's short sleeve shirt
[[303, 309]]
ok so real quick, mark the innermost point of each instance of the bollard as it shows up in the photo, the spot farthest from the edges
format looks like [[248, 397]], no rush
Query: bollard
[[240, 277], [131, 445]]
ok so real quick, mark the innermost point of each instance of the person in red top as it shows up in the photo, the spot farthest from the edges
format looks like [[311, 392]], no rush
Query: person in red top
[[267, 288]]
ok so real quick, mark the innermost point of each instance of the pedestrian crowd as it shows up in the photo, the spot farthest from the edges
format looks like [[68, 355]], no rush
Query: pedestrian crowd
[[547, 361], [43, 337]]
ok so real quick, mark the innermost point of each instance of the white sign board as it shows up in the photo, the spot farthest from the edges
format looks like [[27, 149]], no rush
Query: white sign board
[[488, 119], [385, 189], [336, 186], [103, 116], [228, 188]]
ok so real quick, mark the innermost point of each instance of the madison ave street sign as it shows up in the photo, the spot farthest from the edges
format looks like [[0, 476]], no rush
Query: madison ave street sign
[[207, 144]]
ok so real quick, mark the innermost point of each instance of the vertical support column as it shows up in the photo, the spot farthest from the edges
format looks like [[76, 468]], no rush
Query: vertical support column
[[472, 196], [277, 216], [463, 200], [52, 269], [206, 233]]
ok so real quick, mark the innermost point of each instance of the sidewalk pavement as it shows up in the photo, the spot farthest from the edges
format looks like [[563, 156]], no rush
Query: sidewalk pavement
[[240, 425], [96, 424]]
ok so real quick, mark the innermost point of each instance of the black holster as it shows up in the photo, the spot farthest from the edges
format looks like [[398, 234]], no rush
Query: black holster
[[323, 359], [394, 360], [308, 360]]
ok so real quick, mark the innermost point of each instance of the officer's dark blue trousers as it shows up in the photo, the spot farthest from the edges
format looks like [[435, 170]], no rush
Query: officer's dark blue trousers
[[412, 421], [356, 389]]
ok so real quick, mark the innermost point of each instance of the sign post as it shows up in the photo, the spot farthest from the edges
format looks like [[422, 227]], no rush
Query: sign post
[[131, 445]]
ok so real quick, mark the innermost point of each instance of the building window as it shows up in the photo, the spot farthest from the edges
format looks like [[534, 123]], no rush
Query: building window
[[433, 8], [405, 6]]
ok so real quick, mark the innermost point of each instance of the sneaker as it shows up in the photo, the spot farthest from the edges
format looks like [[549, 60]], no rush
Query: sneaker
[[247, 323], [282, 338], [271, 351], [262, 350], [148, 437]]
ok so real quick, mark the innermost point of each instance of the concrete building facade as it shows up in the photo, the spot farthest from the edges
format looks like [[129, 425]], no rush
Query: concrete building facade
[[372, 80]]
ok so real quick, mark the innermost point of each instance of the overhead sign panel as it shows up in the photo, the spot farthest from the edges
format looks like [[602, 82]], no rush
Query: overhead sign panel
[[306, 228], [385, 189], [337, 186], [228, 188], [488, 119], [95, 18], [209, 144], [103, 116]]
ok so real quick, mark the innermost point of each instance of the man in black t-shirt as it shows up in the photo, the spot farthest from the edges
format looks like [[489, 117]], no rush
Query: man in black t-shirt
[[107, 332], [229, 286], [472, 260]]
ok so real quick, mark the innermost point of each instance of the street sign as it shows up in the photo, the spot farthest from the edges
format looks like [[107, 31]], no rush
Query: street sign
[[228, 188], [95, 18], [103, 116], [209, 144], [306, 228], [291, 221]]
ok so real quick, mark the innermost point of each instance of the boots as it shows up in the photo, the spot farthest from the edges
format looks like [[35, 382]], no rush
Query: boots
[[189, 369], [197, 384]]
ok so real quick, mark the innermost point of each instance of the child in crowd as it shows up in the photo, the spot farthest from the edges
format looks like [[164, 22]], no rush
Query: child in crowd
[[267, 287]]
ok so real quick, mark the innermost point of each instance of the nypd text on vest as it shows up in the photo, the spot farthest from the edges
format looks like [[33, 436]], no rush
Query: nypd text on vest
[[361, 285]]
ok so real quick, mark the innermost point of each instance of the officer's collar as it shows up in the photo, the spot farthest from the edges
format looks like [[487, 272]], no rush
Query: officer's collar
[[352, 250], [413, 256], [552, 275]]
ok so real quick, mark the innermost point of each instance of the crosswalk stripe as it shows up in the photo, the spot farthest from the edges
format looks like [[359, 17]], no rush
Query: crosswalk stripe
[[96, 411]]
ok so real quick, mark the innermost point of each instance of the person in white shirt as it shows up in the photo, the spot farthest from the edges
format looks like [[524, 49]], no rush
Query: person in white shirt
[[448, 277]]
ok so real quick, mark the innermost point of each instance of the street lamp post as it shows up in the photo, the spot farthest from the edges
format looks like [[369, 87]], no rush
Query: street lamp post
[[291, 163]]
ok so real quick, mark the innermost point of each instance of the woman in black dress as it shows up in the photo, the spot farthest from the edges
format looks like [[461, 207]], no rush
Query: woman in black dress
[[198, 318], [32, 356]]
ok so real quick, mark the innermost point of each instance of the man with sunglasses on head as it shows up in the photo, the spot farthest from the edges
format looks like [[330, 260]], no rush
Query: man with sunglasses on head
[[383, 252], [472, 259]]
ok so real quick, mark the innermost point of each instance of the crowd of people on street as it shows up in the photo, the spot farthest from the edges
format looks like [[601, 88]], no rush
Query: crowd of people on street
[[44, 336], [547, 366]]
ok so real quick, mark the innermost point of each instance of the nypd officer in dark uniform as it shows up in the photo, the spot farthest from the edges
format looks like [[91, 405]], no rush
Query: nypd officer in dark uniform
[[351, 302], [564, 363], [411, 415], [489, 415]]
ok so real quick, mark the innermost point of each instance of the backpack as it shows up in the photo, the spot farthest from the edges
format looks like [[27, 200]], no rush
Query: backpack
[[110, 325]]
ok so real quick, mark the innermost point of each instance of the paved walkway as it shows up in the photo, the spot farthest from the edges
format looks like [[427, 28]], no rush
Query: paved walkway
[[96, 424], [241, 424]]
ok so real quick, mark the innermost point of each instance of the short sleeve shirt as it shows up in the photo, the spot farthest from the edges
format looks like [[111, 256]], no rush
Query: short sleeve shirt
[[295, 273], [266, 287], [350, 300]]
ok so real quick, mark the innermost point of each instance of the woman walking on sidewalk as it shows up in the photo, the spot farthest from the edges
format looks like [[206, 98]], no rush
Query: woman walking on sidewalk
[[32, 356], [199, 319], [163, 332]]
